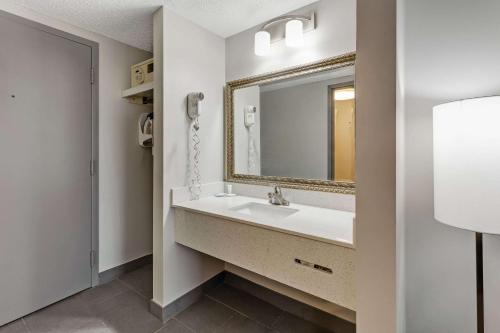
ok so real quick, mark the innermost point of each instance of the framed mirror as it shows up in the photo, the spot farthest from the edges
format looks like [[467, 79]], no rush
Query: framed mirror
[[295, 127]]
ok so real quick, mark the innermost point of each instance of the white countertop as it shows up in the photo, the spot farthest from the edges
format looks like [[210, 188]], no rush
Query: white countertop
[[326, 225]]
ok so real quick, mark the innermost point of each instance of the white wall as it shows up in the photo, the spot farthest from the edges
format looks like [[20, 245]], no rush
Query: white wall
[[294, 131], [451, 51], [125, 169], [193, 61], [335, 35], [376, 166], [158, 248]]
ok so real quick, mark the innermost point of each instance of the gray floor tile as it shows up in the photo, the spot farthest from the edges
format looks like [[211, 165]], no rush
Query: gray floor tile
[[141, 280], [206, 315], [96, 326], [123, 307], [126, 299], [127, 313], [292, 306], [14, 327], [103, 292], [241, 324], [131, 320], [247, 304], [174, 326], [66, 316], [288, 323]]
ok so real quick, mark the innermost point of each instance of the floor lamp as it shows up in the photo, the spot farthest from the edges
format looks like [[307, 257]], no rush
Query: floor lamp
[[467, 173]]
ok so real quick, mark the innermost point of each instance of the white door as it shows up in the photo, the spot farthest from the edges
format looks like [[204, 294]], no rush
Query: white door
[[45, 153]]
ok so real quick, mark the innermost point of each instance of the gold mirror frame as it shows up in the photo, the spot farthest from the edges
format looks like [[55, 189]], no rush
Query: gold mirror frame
[[297, 183]]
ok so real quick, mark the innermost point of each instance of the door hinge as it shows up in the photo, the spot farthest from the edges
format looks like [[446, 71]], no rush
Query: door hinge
[[92, 259], [92, 167], [92, 75]]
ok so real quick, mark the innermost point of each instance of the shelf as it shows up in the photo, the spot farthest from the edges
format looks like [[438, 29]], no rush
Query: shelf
[[143, 90]]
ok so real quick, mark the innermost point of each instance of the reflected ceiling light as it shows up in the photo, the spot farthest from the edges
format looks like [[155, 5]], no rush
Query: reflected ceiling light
[[344, 94], [293, 32], [262, 43], [294, 35]]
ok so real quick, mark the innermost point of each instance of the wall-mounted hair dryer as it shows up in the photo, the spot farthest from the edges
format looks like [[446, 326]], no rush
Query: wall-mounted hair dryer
[[249, 112], [194, 105]]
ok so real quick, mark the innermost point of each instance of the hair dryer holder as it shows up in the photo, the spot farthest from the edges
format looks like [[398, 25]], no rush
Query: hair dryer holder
[[145, 130]]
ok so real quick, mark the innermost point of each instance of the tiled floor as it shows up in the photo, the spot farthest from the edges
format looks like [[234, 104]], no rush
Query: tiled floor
[[121, 306]]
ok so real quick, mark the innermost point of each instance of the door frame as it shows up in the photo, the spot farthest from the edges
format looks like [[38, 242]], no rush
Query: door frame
[[94, 163], [331, 128]]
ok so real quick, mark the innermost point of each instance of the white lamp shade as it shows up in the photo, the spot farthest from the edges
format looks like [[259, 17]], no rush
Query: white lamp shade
[[262, 45], [467, 164], [294, 33]]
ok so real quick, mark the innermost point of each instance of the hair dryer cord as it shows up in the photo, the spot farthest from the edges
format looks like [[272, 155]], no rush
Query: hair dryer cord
[[195, 178]]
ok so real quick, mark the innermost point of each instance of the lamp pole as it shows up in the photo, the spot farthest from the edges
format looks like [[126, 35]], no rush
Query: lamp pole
[[479, 283]]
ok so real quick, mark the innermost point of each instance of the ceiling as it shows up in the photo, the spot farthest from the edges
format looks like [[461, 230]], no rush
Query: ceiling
[[130, 21]]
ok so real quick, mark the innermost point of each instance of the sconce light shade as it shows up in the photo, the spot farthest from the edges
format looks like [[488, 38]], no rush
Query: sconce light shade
[[467, 164], [294, 33], [262, 43]]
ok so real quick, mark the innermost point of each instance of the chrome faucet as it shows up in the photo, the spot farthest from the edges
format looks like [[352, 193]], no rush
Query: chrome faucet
[[276, 197]]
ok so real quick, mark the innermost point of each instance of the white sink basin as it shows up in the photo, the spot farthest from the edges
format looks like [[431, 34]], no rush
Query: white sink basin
[[267, 211]]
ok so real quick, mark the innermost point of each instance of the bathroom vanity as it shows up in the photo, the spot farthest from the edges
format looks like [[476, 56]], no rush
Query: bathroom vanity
[[293, 129], [305, 247]]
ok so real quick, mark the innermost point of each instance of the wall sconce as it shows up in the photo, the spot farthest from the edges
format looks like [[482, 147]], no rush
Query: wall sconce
[[262, 43], [294, 35], [292, 31]]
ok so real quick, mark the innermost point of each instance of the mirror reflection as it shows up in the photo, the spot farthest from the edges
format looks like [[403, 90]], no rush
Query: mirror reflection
[[301, 127]]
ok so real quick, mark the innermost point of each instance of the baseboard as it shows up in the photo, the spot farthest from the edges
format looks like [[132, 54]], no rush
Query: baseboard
[[290, 305], [183, 302], [115, 272]]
